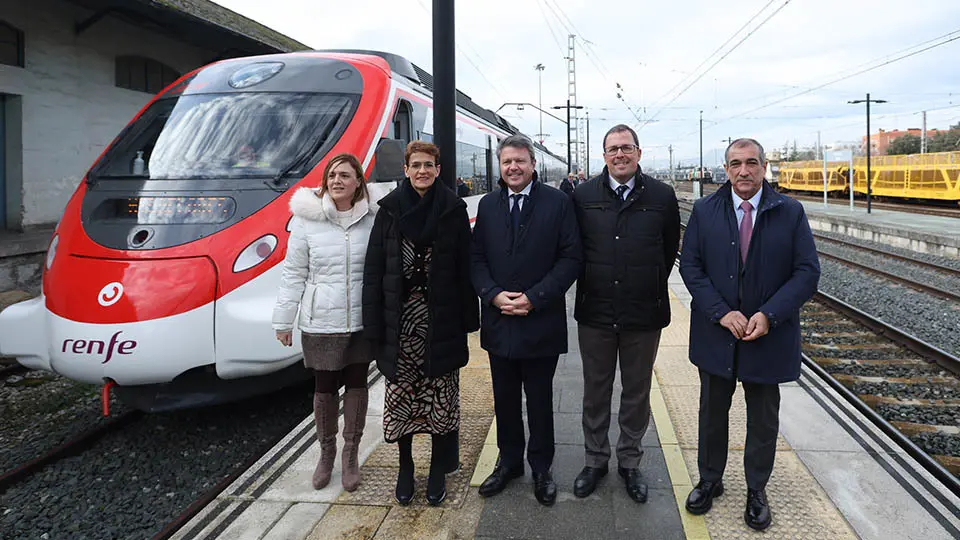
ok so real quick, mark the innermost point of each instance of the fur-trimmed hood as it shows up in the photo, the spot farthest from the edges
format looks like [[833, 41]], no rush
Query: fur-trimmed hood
[[306, 205]]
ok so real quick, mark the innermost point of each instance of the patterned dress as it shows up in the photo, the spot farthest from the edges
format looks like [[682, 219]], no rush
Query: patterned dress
[[417, 404]]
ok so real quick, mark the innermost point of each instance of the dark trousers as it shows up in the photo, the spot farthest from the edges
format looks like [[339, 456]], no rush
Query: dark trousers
[[600, 350], [534, 376], [763, 423]]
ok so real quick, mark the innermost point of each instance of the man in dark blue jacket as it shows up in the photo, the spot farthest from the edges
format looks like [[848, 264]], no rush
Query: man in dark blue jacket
[[750, 263], [526, 254]]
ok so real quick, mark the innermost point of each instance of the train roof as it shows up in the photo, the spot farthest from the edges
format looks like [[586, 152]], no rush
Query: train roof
[[422, 78]]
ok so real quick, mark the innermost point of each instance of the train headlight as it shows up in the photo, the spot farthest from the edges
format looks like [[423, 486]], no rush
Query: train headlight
[[255, 253], [52, 250]]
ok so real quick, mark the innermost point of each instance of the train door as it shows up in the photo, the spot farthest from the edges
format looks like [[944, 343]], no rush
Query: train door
[[491, 172], [402, 123]]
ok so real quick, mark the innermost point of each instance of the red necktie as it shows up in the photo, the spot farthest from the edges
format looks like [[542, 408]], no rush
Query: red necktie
[[746, 229]]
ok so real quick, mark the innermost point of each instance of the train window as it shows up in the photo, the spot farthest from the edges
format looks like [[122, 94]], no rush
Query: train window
[[143, 74], [401, 123], [11, 45], [237, 135]]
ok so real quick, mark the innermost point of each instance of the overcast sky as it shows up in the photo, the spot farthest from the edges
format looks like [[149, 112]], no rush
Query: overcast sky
[[766, 88]]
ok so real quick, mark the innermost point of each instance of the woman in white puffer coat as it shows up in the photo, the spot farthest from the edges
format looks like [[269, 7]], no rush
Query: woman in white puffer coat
[[323, 280]]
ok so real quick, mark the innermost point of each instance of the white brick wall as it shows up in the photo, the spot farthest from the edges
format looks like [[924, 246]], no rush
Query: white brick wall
[[71, 108]]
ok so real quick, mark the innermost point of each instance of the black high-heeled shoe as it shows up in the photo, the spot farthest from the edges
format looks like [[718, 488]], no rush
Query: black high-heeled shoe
[[436, 488], [405, 481], [405, 486]]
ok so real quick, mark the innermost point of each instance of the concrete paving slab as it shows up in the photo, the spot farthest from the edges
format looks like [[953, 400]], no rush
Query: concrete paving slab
[[806, 426], [293, 485], [207, 520], [874, 503], [657, 519], [349, 522], [255, 520], [800, 507], [297, 522]]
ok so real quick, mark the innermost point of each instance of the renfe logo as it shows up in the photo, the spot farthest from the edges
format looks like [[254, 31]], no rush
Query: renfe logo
[[110, 294], [95, 346]]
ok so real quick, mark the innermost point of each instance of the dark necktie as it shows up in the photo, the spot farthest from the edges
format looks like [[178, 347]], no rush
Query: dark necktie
[[746, 229], [515, 212], [621, 189]]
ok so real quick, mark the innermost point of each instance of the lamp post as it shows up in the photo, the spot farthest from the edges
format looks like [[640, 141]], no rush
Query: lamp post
[[587, 165], [540, 68], [700, 172], [568, 107], [869, 142], [444, 86]]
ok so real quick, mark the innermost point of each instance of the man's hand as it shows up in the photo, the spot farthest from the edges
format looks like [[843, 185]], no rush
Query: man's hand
[[758, 326], [512, 303], [736, 323], [521, 304], [285, 337]]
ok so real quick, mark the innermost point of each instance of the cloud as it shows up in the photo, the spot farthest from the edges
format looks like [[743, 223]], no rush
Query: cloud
[[650, 47]]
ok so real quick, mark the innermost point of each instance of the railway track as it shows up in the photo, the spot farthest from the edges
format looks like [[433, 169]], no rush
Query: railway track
[[910, 385], [72, 447]]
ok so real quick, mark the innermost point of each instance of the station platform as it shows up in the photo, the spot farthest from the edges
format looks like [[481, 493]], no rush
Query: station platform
[[835, 477], [936, 235]]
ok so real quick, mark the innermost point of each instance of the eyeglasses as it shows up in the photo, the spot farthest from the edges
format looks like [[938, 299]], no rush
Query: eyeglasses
[[627, 149]]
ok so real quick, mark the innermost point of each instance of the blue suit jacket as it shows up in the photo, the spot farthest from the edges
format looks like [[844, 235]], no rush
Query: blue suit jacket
[[542, 260], [781, 273]]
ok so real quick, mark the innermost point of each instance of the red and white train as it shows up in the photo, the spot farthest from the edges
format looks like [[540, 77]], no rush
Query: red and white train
[[161, 276]]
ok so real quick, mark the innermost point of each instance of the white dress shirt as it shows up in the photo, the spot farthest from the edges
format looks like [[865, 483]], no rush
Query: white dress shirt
[[614, 185], [754, 201], [524, 191]]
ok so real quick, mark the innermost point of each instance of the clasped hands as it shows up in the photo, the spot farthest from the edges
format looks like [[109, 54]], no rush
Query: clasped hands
[[513, 303], [743, 329]]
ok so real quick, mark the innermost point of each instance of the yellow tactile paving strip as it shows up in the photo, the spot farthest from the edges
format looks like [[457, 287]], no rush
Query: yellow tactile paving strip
[[372, 511], [800, 507]]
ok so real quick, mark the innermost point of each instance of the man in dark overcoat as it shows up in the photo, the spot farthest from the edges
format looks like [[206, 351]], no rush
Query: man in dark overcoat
[[750, 263], [630, 228], [526, 254]]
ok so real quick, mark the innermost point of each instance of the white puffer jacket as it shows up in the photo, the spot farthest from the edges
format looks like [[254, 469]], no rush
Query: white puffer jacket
[[323, 267]]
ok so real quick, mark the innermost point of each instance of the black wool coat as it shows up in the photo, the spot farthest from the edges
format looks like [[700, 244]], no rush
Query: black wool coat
[[452, 304]]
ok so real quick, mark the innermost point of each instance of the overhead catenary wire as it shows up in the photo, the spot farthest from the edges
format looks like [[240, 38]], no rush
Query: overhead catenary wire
[[737, 45]]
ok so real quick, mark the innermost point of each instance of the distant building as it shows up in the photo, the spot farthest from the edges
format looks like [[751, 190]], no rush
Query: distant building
[[880, 141], [74, 72]]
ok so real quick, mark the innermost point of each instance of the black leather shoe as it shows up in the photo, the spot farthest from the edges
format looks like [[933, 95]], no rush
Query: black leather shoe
[[544, 488], [436, 488], [405, 487], [587, 480], [701, 497], [498, 479], [757, 515], [636, 488]]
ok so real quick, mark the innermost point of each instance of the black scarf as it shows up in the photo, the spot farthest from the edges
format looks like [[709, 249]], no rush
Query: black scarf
[[419, 216]]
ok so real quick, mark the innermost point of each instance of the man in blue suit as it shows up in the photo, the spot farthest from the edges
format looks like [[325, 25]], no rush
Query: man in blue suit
[[750, 263], [526, 254]]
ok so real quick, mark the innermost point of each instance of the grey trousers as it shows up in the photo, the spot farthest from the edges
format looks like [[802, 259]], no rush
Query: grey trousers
[[600, 350]]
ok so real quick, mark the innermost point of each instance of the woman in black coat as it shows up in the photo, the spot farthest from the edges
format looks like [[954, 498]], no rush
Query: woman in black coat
[[418, 306]]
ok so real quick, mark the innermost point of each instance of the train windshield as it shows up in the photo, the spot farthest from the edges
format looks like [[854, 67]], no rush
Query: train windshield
[[242, 135]]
